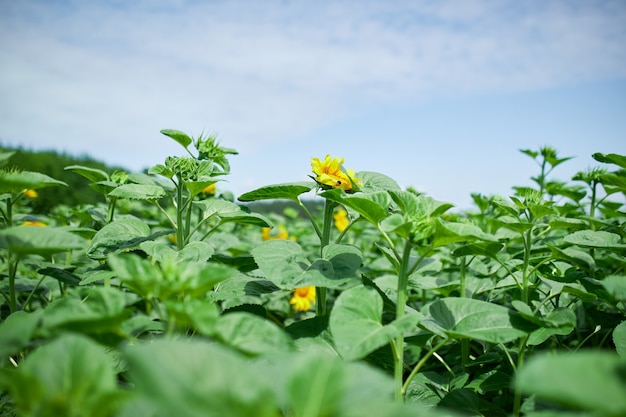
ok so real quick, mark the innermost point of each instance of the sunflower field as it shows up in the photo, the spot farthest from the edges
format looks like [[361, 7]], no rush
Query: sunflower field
[[174, 298]]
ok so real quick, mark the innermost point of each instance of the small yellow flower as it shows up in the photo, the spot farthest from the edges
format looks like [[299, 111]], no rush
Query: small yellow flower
[[31, 193], [35, 223], [209, 189], [341, 219], [302, 298], [330, 172], [282, 234]]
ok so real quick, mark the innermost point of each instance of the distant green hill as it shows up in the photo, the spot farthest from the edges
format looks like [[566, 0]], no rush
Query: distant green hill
[[53, 164]]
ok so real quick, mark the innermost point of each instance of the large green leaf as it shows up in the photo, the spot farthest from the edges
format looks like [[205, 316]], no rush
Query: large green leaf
[[252, 334], [475, 319], [373, 207], [39, 240], [16, 331], [138, 192], [199, 379], [71, 376], [230, 212], [371, 182], [611, 158], [619, 339], [92, 174], [595, 239], [356, 323], [181, 137], [289, 191], [283, 262], [97, 311], [452, 232], [170, 277], [587, 380], [118, 236], [16, 181]]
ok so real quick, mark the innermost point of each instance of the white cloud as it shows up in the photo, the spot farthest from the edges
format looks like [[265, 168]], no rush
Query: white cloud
[[104, 77]]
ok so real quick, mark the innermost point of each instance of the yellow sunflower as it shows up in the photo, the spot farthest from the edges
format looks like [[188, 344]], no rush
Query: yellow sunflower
[[302, 298], [330, 172]]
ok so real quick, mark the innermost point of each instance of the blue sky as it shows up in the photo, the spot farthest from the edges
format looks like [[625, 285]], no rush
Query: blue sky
[[439, 95]]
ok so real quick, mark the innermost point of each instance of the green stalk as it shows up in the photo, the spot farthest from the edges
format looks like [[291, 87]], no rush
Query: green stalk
[[403, 279], [526, 238], [180, 229], [420, 364], [111, 212], [517, 402], [12, 274], [464, 342], [320, 292]]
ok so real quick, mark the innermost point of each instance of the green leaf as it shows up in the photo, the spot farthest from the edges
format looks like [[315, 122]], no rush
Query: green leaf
[[251, 334], [356, 323], [373, 207], [619, 339], [17, 330], [195, 252], [97, 311], [616, 286], [560, 321], [17, 181], [611, 158], [587, 380], [283, 262], [230, 212], [371, 182], [289, 191], [138, 192], [195, 378], [61, 275], [450, 232], [474, 319], [71, 376], [574, 256], [43, 241], [595, 239], [118, 236], [489, 249], [92, 174], [200, 315], [181, 137]]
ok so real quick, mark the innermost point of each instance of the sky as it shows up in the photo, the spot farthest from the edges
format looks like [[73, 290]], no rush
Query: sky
[[439, 95]]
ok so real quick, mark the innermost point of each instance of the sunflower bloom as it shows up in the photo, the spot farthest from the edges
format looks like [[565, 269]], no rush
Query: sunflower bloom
[[35, 223], [282, 234], [330, 172], [31, 193], [302, 298], [341, 219], [209, 189]]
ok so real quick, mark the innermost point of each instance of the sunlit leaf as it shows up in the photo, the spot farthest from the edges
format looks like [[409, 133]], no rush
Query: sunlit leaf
[[118, 236], [289, 191], [92, 174], [16, 331], [475, 319], [138, 192], [195, 378], [70, 376], [251, 334], [611, 158], [17, 181], [595, 239], [181, 137], [619, 339], [39, 240], [587, 380], [356, 323]]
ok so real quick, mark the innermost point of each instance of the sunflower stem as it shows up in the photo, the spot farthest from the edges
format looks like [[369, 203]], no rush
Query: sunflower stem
[[320, 292]]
